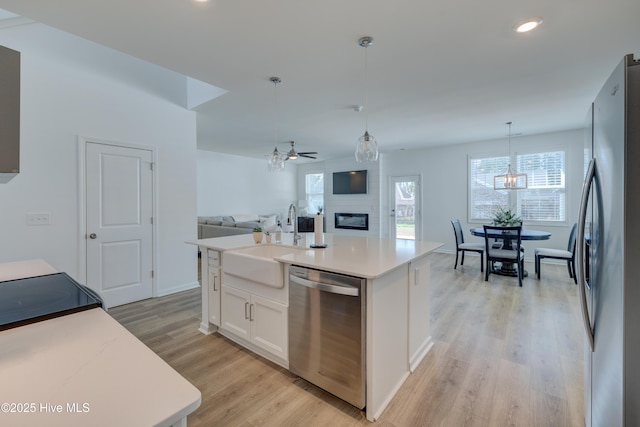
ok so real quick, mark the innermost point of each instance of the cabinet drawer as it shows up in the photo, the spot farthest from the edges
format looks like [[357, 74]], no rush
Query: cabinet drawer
[[214, 257]]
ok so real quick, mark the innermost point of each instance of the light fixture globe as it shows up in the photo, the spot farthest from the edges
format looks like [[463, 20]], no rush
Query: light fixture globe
[[275, 162], [367, 148], [292, 154]]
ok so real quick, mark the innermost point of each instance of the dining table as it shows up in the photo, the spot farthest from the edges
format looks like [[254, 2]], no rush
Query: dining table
[[507, 268]]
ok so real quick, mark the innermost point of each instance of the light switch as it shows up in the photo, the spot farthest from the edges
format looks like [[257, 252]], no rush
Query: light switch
[[39, 218]]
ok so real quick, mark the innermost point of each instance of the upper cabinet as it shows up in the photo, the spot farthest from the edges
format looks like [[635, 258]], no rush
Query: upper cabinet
[[9, 114]]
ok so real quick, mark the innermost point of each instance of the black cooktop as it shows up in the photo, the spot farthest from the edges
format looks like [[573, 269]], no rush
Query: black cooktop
[[33, 299]]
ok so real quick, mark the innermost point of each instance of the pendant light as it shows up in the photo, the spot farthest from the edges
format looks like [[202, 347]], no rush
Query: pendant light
[[510, 180], [367, 147], [275, 163]]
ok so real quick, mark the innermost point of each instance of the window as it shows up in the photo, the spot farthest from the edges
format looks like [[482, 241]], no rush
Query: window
[[544, 200], [314, 191], [483, 199]]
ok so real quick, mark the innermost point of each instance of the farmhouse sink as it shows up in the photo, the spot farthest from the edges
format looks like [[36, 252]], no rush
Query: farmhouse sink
[[256, 263]]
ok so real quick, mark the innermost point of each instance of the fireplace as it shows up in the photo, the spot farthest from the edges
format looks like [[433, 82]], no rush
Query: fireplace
[[352, 221]]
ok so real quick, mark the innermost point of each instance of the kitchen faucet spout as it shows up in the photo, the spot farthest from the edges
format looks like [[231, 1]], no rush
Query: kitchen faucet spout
[[293, 217]]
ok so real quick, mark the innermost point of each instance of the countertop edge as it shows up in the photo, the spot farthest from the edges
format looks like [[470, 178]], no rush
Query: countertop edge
[[390, 253], [36, 344], [291, 259], [22, 269]]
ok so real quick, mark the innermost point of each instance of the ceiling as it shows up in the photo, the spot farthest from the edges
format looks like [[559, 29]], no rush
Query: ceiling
[[440, 72]]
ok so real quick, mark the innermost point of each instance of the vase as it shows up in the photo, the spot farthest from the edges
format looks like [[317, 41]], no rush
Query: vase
[[257, 236], [268, 238]]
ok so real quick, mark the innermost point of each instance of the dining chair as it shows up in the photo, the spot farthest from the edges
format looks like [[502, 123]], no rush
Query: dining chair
[[569, 255], [463, 247], [503, 254]]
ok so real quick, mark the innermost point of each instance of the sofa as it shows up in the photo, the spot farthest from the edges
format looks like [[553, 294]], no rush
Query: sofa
[[231, 225]]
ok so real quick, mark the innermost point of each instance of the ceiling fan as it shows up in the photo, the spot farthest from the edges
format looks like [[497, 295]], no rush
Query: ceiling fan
[[293, 154]]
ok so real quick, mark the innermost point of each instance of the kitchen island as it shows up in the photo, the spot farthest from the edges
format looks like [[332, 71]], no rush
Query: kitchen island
[[255, 315], [85, 369]]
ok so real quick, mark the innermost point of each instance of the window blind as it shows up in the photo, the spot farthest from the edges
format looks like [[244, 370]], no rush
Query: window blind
[[483, 199], [543, 200]]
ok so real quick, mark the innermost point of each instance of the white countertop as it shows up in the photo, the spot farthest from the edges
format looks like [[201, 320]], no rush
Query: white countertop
[[20, 269], [366, 257], [245, 240], [89, 363]]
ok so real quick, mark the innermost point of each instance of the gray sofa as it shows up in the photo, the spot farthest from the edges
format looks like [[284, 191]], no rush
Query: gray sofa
[[231, 225]]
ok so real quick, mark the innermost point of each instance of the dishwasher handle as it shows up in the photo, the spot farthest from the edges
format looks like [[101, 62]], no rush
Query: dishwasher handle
[[325, 287]]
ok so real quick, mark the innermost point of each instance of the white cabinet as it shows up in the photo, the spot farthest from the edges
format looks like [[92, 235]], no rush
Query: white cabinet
[[419, 336], [214, 295], [211, 281], [269, 326], [235, 312], [257, 320]]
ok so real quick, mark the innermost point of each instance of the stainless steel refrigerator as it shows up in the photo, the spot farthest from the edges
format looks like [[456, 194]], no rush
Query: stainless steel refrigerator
[[608, 261]]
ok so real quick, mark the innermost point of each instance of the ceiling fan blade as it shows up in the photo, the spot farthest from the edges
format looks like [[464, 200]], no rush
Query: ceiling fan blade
[[306, 155], [307, 152]]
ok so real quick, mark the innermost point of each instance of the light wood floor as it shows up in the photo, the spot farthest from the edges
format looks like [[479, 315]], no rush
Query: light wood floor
[[503, 356]]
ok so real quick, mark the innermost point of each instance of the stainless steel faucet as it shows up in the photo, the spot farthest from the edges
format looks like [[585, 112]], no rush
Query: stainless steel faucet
[[294, 217]]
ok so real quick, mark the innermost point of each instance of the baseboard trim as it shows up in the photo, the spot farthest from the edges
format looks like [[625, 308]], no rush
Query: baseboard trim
[[420, 354], [207, 328], [179, 288], [373, 415], [253, 348]]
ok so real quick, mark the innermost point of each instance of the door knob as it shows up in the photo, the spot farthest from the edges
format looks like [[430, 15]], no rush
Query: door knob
[[92, 236]]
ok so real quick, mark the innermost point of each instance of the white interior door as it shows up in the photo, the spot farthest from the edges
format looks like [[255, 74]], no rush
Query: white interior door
[[119, 230], [404, 194]]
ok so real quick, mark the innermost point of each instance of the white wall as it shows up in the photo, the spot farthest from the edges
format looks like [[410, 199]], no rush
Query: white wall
[[229, 184], [62, 100], [444, 173], [353, 203]]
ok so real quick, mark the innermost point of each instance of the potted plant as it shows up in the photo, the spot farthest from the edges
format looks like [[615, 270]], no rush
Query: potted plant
[[257, 234], [506, 217], [267, 236]]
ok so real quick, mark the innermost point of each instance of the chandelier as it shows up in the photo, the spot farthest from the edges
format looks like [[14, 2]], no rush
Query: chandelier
[[511, 179]]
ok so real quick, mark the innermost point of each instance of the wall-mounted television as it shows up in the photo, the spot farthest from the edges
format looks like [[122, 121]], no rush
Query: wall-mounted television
[[351, 182]]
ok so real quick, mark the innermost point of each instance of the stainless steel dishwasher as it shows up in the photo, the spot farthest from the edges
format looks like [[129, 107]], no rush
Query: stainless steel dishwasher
[[327, 332]]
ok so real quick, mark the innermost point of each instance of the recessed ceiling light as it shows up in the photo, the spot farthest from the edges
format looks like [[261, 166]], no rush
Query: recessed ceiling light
[[528, 25]]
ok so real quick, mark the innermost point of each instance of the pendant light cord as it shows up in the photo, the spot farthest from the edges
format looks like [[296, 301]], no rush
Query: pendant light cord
[[366, 90], [509, 123], [275, 109]]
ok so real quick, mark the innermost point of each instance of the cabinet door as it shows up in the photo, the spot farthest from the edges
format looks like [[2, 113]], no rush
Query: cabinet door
[[269, 326], [235, 312], [213, 258], [214, 296], [419, 334]]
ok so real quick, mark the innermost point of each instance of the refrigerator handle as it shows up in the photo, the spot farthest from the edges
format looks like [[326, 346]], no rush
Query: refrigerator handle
[[580, 254]]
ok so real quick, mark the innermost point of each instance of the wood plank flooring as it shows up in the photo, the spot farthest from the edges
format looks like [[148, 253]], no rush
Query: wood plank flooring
[[503, 356]]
